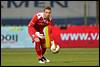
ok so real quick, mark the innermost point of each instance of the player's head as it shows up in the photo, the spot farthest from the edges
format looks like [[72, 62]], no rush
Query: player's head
[[47, 12]]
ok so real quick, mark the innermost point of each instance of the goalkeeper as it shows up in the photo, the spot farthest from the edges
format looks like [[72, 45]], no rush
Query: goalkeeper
[[35, 30]]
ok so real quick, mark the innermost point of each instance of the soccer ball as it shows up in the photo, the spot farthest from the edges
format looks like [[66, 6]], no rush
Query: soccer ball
[[55, 49]]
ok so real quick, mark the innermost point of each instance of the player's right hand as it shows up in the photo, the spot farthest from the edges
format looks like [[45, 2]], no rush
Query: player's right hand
[[39, 35]]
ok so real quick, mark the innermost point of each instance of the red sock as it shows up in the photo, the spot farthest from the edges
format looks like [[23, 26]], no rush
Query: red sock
[[43, 47], [43, 51], [38, 50]]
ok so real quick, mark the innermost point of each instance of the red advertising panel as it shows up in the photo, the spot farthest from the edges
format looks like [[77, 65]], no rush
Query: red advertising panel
[[77, 36]]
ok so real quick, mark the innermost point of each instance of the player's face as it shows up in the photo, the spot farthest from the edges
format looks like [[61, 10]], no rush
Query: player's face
[[47, 13]]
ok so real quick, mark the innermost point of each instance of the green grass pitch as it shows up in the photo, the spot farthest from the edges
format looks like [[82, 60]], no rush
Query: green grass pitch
[[66, 57]]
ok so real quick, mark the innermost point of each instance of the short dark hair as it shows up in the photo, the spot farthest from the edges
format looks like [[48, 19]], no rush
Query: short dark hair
[[47, 7]]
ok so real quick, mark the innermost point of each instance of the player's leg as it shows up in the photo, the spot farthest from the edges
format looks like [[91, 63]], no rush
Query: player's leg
[[38, 50], [43, 46], [42, 41], [37, 45]]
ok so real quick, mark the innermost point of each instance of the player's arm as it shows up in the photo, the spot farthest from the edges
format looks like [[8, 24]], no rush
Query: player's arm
[[50, 26], [53, 42], [51, 32], [31, 29]]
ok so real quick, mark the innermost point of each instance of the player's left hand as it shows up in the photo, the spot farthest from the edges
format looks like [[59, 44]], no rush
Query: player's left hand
[[53, 45]]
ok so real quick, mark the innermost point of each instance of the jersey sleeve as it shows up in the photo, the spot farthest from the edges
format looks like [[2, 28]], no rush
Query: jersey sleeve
[[50, 26], [31, 29], [51, 33]]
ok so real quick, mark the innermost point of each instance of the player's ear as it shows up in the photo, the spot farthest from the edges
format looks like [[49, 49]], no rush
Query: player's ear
[[50, 18]]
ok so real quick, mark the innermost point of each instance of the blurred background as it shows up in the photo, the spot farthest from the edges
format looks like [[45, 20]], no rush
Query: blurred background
[[76, 27], [63, 12]]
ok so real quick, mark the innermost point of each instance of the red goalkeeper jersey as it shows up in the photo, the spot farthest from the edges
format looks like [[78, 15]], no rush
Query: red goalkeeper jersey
[[38, 23]]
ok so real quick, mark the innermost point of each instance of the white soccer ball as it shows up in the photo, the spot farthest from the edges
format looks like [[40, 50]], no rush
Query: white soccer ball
[[55, 49]]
